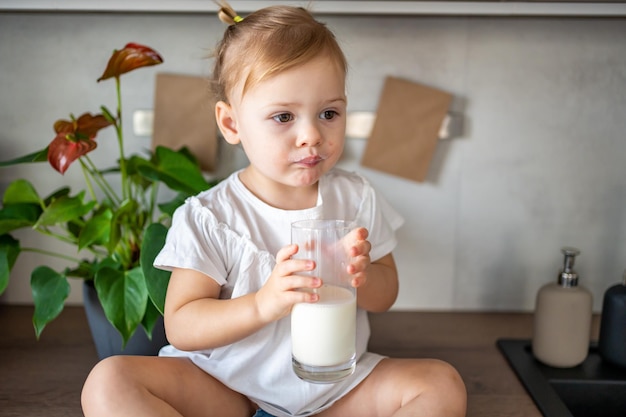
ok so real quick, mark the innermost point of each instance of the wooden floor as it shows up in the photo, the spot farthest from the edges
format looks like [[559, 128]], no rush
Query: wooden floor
[[45, 378]]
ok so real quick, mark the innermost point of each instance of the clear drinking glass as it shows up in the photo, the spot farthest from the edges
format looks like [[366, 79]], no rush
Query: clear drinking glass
[[323, 334]]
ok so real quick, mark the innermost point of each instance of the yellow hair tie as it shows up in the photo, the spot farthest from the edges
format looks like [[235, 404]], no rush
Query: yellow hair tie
[[226, 13]]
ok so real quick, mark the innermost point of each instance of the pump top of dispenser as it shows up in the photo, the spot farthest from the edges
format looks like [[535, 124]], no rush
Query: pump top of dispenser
[[567, 276]]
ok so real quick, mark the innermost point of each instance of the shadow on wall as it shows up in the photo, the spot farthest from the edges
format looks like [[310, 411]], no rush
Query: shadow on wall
[[612, 246], [459, 132]]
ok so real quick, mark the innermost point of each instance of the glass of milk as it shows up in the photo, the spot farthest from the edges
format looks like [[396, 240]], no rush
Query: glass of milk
[[323, 334]]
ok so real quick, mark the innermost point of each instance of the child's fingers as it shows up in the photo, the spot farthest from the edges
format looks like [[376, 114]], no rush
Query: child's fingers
[[358, 265], [296, 282], [358, 280], [361, 233], [304, 296], [360, 241], [361, 247], [286, 252]]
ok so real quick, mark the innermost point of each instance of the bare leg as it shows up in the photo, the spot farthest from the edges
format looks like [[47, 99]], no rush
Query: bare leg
[[152, 386], [405, 388]]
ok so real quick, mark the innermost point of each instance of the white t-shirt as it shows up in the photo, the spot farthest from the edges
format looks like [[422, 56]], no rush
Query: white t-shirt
[[231, 236]]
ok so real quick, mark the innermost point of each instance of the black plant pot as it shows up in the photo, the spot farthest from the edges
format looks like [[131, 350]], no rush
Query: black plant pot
[[107, 339]]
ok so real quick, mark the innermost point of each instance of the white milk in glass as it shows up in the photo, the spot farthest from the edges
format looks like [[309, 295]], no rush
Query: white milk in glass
[[323, 333]]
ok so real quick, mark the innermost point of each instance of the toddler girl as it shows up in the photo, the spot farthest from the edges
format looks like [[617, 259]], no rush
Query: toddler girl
[[279, 77]]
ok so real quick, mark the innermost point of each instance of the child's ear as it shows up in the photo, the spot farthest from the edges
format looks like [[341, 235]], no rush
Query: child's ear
[[226, 122]]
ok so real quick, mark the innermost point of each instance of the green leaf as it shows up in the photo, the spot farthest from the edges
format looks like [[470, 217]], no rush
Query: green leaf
[[65, 209], [156, 279], [88, 269], [122, 216], [85, 270], [123, 296], [188, 154], [132, 169], [21, 191], [96, 231], [171, 206], [5, 270], [150, 318], [56, 194], [107, 114], [50, 289], [176, 170], [17, 216], [38, 156], [9, 250], [127, 211], [108, 262], [115, 234]]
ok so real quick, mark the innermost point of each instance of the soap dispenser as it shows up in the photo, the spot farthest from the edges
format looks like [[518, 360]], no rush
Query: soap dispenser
[[562, 320], [612, 340]]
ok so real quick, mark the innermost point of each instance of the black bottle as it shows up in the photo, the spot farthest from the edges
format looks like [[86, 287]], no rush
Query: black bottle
[[612, 341]]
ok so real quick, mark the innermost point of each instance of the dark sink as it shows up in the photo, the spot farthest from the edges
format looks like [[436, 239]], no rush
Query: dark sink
[[591, 389]]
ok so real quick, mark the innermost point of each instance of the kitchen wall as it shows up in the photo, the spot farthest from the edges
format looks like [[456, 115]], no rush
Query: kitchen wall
[[541, 162]]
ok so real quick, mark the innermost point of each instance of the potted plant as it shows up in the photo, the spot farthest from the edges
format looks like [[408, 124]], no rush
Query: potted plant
[[117, 227]]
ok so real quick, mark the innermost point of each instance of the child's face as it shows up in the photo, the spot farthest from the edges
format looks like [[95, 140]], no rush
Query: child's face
[[292, 125]]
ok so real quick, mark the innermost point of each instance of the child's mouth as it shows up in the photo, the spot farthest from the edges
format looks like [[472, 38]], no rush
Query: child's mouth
[[310, 161]]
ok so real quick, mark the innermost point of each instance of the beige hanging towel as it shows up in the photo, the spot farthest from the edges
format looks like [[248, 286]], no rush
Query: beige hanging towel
[[184, 115], [406, 130]]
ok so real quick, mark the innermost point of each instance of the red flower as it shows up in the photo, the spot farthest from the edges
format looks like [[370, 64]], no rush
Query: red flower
[[133, 56], [74, 139]]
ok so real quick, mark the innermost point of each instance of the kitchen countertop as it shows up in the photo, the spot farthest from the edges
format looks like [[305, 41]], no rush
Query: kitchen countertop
[[467, 340], [45, 378]]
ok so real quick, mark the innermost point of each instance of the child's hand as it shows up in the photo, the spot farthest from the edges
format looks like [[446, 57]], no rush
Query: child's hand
[[359, 249], [276, 298]]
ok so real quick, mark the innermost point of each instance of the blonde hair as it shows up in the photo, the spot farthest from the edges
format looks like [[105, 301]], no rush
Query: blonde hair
[[266, 42]]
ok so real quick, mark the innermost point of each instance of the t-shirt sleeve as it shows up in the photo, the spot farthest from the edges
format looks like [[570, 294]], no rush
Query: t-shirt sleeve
[[381, 220], [193, 242]]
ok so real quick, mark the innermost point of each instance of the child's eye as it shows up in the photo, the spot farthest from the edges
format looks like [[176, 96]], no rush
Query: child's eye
[[283, 118], [328, 114]]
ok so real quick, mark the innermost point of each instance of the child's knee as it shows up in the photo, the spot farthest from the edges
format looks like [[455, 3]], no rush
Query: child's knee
[[101, 384], [449, 374], [450, 386]]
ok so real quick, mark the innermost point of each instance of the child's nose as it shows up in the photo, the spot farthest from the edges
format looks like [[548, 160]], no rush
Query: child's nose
[[309, 135]]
